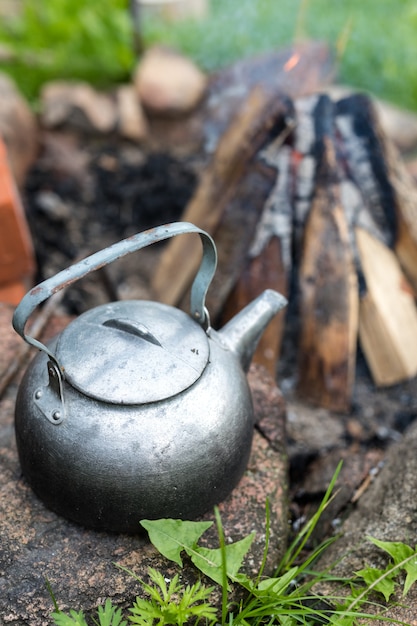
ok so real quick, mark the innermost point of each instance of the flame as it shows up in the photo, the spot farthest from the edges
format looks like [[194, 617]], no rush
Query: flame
[[292, 62]]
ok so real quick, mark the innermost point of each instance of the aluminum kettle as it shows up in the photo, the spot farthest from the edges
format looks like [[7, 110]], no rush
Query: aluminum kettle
[[137, 409]]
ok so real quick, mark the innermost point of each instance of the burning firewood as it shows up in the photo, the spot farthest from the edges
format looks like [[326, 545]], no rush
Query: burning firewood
[[380, 207], [382, 178], [235, 184], [327, 280], [268, 264], [312, 194]]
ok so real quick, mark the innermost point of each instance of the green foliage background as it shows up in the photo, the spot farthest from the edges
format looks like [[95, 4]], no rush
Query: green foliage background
[[375, 40], [66, 39]]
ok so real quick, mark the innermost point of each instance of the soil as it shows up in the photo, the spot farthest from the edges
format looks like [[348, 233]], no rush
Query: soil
[[106, 192], [102, 192]]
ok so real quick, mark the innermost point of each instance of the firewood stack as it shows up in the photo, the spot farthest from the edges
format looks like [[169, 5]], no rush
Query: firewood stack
[[310, 193]]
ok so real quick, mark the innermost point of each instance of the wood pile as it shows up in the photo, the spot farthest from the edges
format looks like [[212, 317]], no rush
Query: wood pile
[[307, 196]]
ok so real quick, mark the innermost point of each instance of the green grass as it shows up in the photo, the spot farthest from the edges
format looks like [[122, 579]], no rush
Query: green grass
[[378, 38], [82, 39], [288, 598], [68, 39]]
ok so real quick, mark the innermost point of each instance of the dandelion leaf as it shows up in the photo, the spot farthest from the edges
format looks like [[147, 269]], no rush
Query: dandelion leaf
[[209, 561], [397, 550], [404, 557], [171, 536], [380, 580]]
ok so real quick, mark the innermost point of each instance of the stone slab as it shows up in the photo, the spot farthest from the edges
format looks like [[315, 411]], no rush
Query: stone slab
[[37, 545], [386, 511]]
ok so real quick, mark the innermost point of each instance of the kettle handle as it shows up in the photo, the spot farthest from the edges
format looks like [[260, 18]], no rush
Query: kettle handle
[[116, 251]]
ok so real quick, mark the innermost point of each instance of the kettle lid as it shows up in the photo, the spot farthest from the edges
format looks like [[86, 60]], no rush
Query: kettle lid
[[132, 352]]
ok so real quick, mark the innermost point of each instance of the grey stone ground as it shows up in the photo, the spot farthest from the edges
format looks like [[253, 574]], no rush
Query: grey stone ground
[[388, 512]]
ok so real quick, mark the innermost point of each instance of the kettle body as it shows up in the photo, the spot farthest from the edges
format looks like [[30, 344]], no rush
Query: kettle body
[[137, 410], [109, 466]]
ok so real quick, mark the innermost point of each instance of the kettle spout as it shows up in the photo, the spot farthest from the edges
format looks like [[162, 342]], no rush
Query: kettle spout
[[243, 332]]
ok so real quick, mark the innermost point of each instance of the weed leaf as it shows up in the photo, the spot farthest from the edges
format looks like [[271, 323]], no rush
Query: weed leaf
[[171, 536], [403, 556], [379, 579], [397, 550], [74, 618], [173, 604], [109, 615], [209, 561], [411, 569]]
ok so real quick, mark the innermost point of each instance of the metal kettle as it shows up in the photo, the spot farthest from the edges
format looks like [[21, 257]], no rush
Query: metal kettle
[[137, 409]]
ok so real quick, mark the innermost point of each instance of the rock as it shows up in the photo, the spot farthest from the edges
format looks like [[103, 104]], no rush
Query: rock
[[168, 83], [65, 158], [78, 105], [385, 511], [36, 544], [18, 128], [131, 122], [312, 431]]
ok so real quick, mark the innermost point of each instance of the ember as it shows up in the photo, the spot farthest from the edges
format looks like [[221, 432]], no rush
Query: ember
[[292, 62]]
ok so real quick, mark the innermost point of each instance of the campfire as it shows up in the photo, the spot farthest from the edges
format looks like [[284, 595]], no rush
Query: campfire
[[303, 193], [307, 196]]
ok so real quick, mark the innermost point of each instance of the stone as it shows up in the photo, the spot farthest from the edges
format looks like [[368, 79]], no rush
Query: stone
[[77, 104], [79, 564], [65, 158], [18, 127], [131, 121], [168, 83], [386, 511], [312, 430]]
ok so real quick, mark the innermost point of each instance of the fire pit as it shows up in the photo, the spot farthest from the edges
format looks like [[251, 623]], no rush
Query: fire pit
[[299, 160]]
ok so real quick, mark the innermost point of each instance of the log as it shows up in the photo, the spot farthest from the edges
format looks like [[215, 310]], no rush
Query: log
[[234, 233], [328, 290], [312, 192], [260, 116], [387, 310], [305, 161], [374, 202], [388, 316], [383, 218], [268, 264], [381, 176], [265, 271]]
